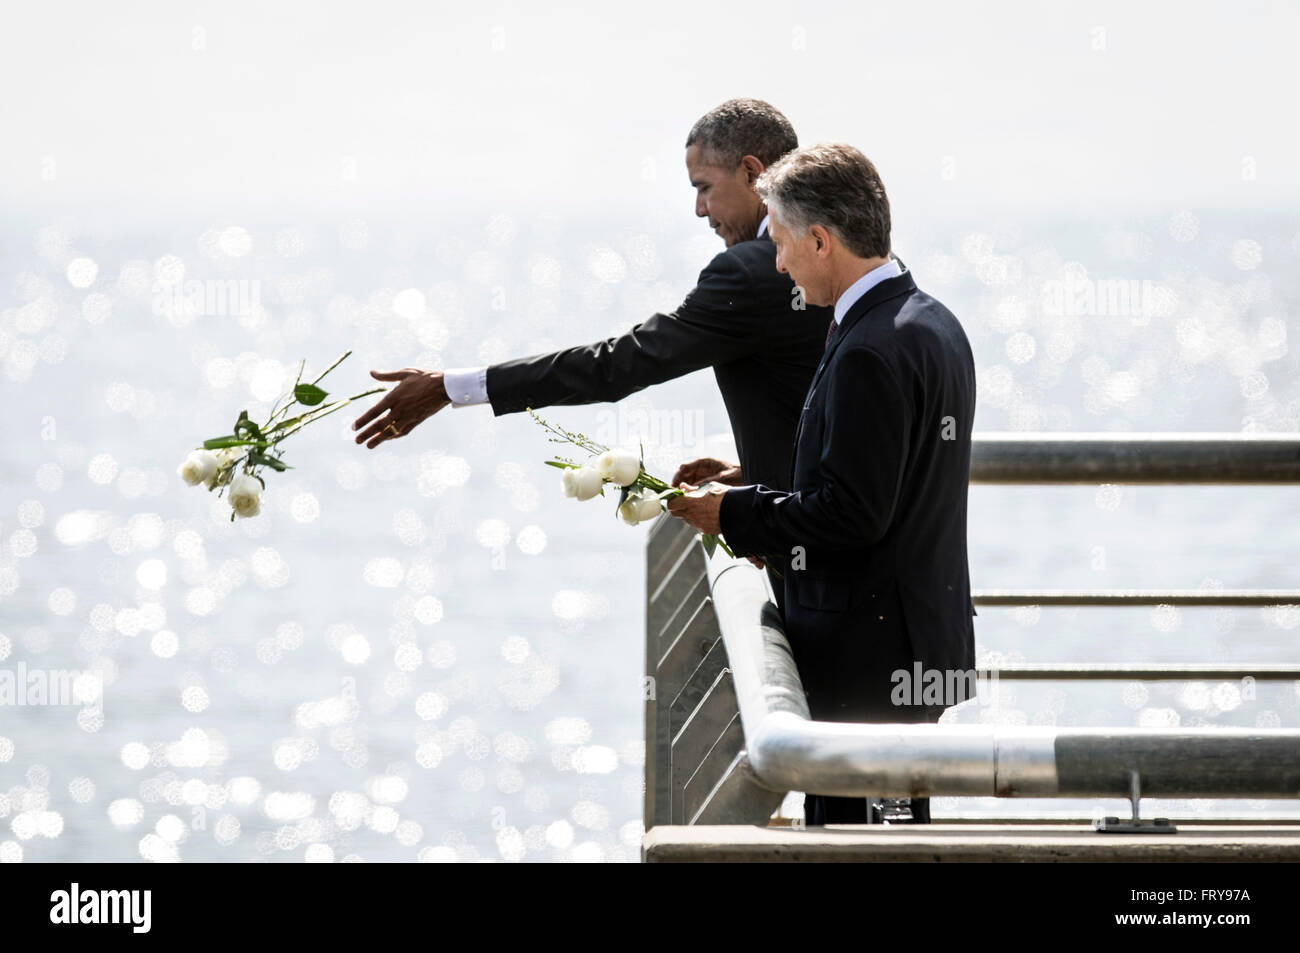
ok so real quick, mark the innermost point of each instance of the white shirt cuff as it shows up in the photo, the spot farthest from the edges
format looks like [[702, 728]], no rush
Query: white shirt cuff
[[466, 385]]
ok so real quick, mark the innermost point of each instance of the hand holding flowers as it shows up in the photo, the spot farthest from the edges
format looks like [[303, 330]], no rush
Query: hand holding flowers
[[641, 496]]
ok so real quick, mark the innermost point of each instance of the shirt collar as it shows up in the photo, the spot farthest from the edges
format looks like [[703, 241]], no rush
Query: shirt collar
[[855, 291], [762, 226]]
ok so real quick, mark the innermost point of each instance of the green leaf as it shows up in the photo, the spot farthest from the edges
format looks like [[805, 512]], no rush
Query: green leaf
[[217, 443], [275, 463], [710, 544], [560, 466], [246, 428], [309, 394]]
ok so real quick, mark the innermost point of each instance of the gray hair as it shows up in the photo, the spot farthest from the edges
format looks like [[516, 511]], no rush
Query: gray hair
[[743, 127], [834, 186]]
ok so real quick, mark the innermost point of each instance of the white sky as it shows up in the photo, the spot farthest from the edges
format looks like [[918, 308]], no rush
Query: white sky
[[583, 99]]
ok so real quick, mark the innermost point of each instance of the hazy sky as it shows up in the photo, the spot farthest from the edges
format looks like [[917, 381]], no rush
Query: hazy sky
[[148, 108]]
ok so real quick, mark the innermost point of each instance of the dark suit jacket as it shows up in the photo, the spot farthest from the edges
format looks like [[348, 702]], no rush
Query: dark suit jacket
[[878, 503], [739, 319]]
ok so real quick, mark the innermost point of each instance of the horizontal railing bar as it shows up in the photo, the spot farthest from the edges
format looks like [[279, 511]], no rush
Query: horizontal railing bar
[[1177, 821], [789, 751], [1223, 458], [1135, 597], [1146, 671]]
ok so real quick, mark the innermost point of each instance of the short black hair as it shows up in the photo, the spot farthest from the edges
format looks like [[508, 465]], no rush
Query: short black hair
[[743, 127]]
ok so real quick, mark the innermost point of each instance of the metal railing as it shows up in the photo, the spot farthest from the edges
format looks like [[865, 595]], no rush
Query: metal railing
[[1134, 458], [728, 732]]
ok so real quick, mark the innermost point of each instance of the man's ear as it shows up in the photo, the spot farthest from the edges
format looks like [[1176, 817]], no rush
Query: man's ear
[[823, 238], [753, 167]]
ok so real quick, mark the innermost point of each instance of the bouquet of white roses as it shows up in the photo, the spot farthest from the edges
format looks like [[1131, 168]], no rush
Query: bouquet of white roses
[[213, 465], [641, 495]]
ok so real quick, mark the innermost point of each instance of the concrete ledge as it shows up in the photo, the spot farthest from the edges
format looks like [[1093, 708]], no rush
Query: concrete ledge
[[955, 843]]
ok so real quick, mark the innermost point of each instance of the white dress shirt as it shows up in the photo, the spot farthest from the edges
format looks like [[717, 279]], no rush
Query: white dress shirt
[[467, 386], [853, 294]]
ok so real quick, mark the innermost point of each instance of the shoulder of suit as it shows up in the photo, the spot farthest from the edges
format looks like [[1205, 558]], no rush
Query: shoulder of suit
[[750, 262], [903, 294], [757, 254], [918, 321], [871, 330]]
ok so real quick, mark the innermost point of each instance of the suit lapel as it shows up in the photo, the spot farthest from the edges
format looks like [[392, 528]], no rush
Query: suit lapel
[[889, 288]]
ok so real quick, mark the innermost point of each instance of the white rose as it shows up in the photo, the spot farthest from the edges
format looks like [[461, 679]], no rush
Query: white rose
[[620, 467], [199, 467], [582, 483], [245, 495], [228, 455], [225, 457], [639, 509]]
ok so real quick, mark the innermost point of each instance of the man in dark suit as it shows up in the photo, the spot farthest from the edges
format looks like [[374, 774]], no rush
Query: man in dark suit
[[873, 527], [736, 320]]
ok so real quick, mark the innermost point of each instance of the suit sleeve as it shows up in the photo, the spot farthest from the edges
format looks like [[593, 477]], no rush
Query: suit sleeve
[[864, 451], [715, 324]]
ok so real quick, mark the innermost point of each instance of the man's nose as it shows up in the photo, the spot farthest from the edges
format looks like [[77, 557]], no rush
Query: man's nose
[[701, 209]]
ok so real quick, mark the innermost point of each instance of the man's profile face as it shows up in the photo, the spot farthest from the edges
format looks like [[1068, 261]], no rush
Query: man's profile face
[[797, 256], [726, 196]]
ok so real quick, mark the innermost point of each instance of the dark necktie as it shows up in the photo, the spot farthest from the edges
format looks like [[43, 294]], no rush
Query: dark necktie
[[830, 332]]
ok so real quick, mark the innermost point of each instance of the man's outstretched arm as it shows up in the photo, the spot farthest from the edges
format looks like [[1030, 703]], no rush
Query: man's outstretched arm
[[713, 325]]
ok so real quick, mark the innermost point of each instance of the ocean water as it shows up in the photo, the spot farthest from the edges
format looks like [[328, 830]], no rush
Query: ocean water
[[423, 651]]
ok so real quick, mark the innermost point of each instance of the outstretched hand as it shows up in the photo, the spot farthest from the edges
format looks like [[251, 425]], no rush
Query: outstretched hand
[[418, 396], [706, 470]]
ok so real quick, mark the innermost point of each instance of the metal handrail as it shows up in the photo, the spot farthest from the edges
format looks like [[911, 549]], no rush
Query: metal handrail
[[1135, 458], [1135, 597], [728, 732], [787, 751], [1144, 671]]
